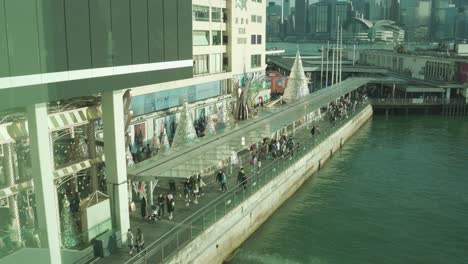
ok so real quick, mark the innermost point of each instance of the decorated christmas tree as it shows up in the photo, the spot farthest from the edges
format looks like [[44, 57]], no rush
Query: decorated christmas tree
[[69, 234], [210, 127], [164, 141], [185, 132], [297, 82], [155, 144], [222, 118]]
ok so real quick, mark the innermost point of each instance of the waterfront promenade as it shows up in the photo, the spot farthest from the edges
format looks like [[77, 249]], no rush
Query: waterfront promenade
[[164, 237]]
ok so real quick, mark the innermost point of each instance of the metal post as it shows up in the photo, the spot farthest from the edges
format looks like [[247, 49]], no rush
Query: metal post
[[354, 54], [328, 51], [321, 71], [333, 66]]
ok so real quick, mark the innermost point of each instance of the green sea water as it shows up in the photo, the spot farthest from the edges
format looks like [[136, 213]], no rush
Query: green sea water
[[396, 193]]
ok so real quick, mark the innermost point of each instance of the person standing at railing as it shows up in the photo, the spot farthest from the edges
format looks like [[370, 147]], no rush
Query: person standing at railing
[[201, 184], [219, 178], [161, 205], [223, 182], [130, 240], [244, 182], [290, 145], [186, 192], [254, 163], [140, 240], [240, 175], [170, 204]]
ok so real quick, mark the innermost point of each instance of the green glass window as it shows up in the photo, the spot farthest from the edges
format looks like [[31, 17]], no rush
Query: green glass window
[[201, 13]]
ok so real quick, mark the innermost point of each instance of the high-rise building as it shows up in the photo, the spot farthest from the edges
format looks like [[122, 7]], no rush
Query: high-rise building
[[300, 16], [324, 15], [442, 20], [273, 21], [461, 22], [415, 18], [394, 14]]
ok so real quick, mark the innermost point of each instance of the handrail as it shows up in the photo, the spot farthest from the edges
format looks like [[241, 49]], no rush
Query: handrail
[[415, 101]]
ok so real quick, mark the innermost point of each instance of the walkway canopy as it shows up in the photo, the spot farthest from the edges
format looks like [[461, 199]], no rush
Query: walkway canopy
[[213, 152]]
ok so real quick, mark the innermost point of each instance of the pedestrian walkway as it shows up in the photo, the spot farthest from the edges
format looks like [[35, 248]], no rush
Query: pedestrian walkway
[[159, 236]]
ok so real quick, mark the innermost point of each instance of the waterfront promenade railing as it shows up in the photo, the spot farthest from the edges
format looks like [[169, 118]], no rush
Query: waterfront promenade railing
[[187, 230], [415, 101]]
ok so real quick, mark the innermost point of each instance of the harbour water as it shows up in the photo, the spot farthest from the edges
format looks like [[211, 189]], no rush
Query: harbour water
[[396, 193]]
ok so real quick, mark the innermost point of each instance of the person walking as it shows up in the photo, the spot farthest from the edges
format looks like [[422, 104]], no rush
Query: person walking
[[130, 240], [161, 205], [140, 240], [244, 182], [200, 184], [223, 182], [196, 191], [219, 175], [240, 175], [186, 192], [170, 205], [255, 160], [143, 207]]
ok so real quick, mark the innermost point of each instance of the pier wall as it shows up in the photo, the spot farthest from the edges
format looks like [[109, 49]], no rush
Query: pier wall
[[217, 242]]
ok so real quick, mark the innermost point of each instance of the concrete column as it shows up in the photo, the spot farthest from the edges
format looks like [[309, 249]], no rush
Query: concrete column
[[90, 133], [9, 171], [116, 165], [448, 93], [149, 195], [44, 180]]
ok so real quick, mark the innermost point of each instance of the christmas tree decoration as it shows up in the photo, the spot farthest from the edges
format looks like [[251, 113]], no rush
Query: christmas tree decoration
[[68, 224], [297, 86], [155, 144], [210, 126], [222, 117], [185, 132], [165, 146], [130, 161]]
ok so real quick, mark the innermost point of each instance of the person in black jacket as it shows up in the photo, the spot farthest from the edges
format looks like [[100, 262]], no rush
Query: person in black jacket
[[161, 201]]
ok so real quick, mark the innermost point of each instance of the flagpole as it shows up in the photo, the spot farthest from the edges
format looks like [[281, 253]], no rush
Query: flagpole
[[328, 51], [333, 66], [321, 71]]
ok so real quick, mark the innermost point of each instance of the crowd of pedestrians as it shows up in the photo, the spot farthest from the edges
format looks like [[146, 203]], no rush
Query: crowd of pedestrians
[[269, 149]]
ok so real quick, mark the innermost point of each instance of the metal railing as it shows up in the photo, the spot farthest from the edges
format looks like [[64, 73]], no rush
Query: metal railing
[[187, 230], [415, 101]]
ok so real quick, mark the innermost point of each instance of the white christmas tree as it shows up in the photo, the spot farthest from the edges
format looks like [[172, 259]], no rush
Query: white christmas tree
[[297, 82], [155, 144], [210, 127], [164, 141], [222, 118], [185, 132]]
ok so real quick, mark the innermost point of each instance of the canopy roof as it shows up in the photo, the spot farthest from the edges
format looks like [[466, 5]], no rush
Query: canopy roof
[[206, 156]]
